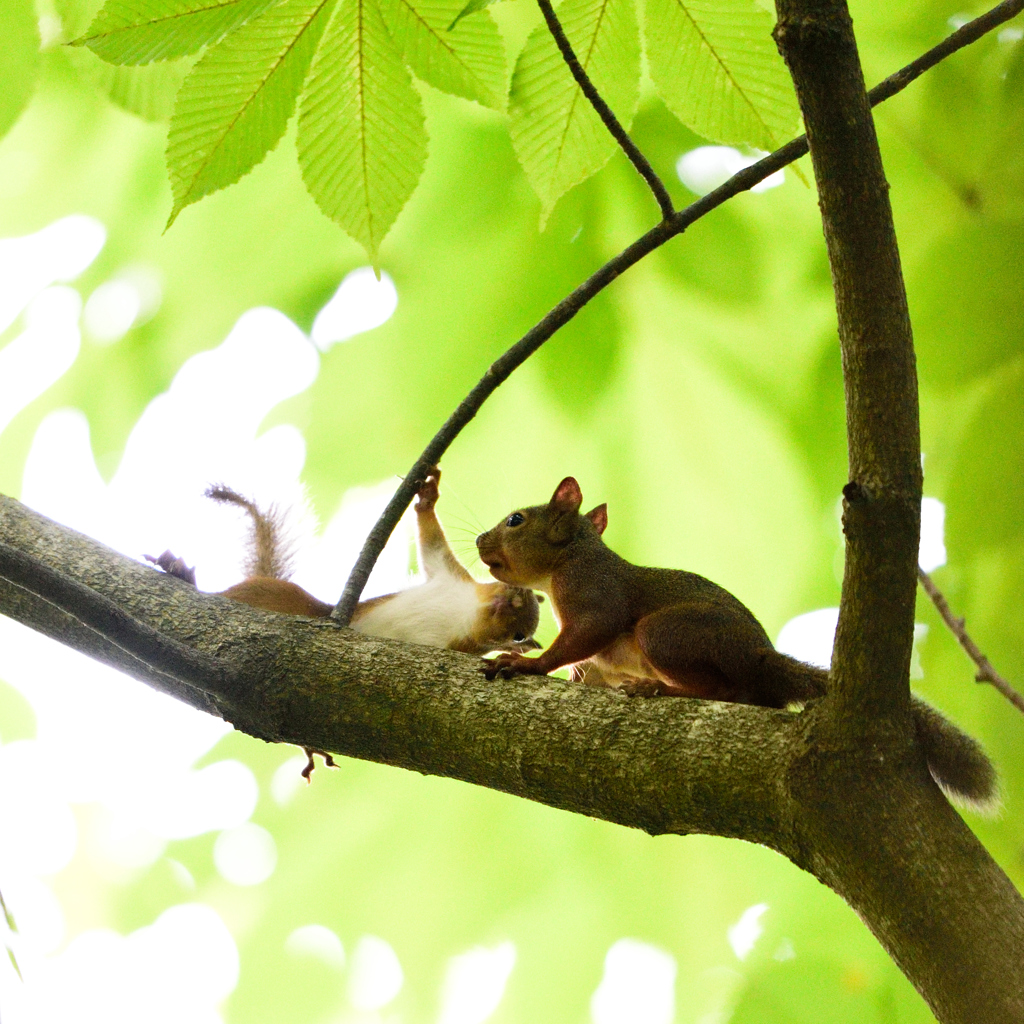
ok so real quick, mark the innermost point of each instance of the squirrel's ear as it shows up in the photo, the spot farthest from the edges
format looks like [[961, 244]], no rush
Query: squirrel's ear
[[540, 598], [567, 497], [599, 516]]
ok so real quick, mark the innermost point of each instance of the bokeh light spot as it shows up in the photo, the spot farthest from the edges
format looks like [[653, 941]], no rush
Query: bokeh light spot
[[316, 941], [475, 982], [638, 985], [703, 169], [376, 975], [747, 930], [360, 304], [932, 552], [42, 353], [245, 854]]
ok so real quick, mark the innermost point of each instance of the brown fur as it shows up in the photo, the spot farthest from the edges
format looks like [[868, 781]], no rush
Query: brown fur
[[669, 632]]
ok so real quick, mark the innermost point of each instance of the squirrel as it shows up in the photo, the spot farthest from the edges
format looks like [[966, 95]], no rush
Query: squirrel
[[649, 631], [449, 610]]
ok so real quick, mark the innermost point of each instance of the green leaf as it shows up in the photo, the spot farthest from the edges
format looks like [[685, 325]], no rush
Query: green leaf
[[468, 61], [471, 8], [716, 67], [140, 31], [14, 962], [362, 142], [235, 105], [19, 68], [8, 916], [148, 91], [558, 138]]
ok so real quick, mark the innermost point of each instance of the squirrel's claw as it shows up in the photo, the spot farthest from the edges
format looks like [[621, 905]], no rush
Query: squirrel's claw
[[490, 669], [427, 495], [506, 666]]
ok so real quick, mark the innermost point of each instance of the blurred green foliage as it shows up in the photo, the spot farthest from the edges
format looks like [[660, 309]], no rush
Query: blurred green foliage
[[701, 396]]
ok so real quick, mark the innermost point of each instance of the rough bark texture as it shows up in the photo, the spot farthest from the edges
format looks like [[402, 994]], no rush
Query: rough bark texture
[[952, 900], [883, 498], [653, 765], [841, 788], [865, 818]]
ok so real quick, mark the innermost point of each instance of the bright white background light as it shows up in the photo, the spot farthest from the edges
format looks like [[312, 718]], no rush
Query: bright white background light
[[133, 749], [245, 854], [474, 984], [809, 637], [932, 553], [376, 976], [317, 941], [743, 935], [360, 304], [42, 353], [638, 986], [703, 169], [60, 252]]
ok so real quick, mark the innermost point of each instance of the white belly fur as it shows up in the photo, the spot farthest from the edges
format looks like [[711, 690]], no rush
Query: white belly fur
[[623, 661], [437, 613]]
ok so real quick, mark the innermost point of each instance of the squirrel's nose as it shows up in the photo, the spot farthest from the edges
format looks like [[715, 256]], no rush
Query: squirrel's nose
[[480, 537]]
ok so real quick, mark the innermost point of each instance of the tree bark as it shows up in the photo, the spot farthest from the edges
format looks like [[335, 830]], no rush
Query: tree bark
[[866, 819], [864, 721], [840, 788]]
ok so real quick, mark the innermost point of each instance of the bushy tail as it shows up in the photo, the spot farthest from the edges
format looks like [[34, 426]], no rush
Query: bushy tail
[[268, 553], [957, 762], [786, 680]]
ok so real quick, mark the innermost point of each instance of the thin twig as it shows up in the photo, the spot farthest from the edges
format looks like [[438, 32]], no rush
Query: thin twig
[[102, 615], [502, 368], [611, 122], [986, 673], [963, 36]]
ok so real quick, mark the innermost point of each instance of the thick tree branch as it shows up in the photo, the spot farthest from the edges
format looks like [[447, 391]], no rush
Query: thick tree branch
[[608, 118], [502, 368], [882, 507], [958, 627], [662, 765], [866, 708], [144, 644], [654, 765]]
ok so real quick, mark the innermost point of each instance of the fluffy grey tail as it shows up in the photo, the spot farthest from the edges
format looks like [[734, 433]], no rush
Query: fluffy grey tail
[[268, 552], [957, 762]]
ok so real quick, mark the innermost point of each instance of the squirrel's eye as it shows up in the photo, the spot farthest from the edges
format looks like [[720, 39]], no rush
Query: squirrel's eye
[[519, 637], [516, 519]]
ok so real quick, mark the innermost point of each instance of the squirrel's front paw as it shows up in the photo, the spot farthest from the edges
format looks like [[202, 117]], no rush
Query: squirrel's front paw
[[506, 666], [427, 495]]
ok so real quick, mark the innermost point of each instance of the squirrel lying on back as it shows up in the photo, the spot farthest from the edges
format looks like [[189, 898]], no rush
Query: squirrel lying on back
[[669, 632], [449, 610]]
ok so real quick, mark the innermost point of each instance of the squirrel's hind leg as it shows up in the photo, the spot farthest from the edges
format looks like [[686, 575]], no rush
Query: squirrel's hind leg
[[702, 650]]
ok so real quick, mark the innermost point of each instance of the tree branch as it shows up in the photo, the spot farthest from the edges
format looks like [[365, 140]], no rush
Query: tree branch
[[146, 645], [866, 708], [882, 500], [315, 684], [963, 36], [502, 368], [662, 765], [986, 671], [611, 122]]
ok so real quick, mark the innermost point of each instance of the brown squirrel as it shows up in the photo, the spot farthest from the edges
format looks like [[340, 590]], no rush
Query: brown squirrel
[[449, 610], [669, 632]]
